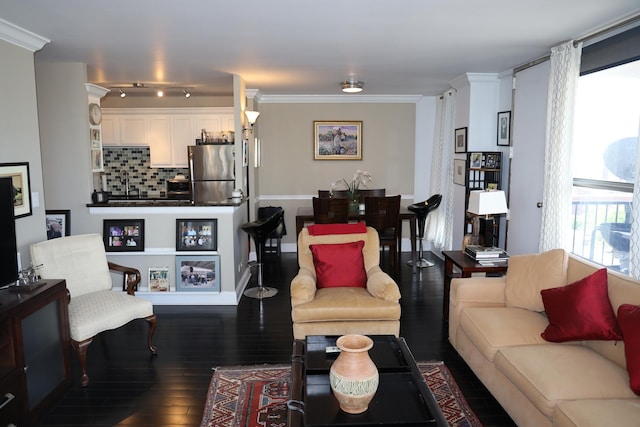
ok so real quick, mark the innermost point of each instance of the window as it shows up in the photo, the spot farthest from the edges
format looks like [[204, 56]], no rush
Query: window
[[607, 120]]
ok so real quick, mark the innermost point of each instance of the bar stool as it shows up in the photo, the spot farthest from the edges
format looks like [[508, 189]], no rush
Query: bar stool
[[421, 210], [260, 230]]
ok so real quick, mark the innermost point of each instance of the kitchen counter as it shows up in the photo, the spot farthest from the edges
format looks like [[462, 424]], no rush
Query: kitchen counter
[[161, 202]]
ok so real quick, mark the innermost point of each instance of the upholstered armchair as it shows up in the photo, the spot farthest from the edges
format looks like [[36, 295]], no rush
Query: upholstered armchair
[[93, 306], [371, 307]]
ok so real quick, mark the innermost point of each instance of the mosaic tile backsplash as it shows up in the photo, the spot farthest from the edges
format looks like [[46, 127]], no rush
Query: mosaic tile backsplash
[[147, 181]]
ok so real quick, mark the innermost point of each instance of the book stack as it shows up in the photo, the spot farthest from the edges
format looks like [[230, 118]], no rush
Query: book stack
[[489, 255]]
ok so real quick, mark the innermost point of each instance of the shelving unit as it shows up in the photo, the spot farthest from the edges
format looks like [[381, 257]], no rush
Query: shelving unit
[[484, 171]]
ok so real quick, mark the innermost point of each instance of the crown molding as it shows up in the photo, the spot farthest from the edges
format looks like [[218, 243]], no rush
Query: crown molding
[[338, 99], [20, 37]]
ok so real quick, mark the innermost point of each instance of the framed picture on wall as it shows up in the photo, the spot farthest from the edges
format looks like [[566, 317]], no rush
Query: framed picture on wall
[[459, 166], [337, 140], [504, 128], [123, 235], [198, 273], [58, 223], [19, 174], [196, 234], [460, 140]]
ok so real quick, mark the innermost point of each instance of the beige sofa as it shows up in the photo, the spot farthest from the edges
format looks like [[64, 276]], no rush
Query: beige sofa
[[539, 383], [373, 310]]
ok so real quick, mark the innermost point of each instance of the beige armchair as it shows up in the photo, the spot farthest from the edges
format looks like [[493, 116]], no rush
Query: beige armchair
[[374, 310], [93, 306]]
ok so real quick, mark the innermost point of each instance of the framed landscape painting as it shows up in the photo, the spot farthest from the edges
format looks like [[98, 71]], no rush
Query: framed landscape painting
[[334, 140]]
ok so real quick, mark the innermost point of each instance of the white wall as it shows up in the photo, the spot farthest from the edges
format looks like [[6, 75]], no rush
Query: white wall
[[19, 141]]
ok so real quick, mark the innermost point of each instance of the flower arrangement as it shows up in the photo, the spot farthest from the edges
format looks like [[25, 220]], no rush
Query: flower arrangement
[[359, 178]]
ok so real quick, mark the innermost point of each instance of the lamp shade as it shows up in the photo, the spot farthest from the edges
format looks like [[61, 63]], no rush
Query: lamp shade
[[252, 116], [487, 202]]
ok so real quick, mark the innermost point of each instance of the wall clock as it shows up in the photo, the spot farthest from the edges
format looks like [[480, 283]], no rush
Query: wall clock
[[95, 114]]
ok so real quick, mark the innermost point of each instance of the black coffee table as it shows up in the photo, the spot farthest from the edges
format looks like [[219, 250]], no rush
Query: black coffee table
[[402, 399]]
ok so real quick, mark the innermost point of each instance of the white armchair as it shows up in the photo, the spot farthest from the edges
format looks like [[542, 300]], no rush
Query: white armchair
[[93, 306]]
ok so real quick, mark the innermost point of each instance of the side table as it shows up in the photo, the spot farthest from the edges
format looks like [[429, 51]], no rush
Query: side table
[[467, 266]]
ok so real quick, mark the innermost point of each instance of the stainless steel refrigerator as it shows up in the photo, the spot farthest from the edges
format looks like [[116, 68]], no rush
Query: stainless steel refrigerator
[[212, 171]]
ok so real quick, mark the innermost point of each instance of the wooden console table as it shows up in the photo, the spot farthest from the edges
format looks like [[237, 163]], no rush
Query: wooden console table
[[467, 266]]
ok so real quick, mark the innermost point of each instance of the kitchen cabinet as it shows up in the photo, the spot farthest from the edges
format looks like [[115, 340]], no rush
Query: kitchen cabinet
[[167, 131], [35, 364]]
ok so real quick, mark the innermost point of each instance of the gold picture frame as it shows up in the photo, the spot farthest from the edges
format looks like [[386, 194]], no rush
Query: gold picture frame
[[337, 140]]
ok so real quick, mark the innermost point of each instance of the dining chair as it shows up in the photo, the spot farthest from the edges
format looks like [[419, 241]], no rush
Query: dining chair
[[337, 194], [383, 214], [330, 210], [371, 192]]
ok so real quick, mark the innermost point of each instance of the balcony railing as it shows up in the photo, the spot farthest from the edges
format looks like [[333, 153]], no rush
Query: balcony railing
[[601, 232]]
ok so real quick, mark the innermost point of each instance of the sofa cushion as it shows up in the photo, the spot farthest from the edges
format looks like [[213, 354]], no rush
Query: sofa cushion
[[549, 373], [339, 264], [597, 413], [339, 304], [491, 328], [581, 311], [629, 318], [529, 274]]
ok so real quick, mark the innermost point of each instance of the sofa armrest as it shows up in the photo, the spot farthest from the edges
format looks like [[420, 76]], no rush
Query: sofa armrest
[[131, 276], [381, 285], [473, 292], [303, 287]]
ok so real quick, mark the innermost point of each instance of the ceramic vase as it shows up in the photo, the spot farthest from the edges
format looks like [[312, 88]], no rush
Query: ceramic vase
[[353, 375]]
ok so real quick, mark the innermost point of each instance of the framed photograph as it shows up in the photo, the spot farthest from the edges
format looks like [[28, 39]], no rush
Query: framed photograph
[[97, 161], [337, 140], [196, 234], [58, 223], [475, 160], [504, 128], [95, 138], [19, 174], [158, 279], [245, 153], [490, 161], [198, 273], [123, 235], [460, 138], [459, 166]]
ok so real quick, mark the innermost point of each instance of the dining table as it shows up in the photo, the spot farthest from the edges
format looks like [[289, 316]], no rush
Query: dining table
[[304, 215]]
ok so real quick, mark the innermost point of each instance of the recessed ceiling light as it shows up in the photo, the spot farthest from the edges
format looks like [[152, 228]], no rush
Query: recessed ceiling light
[[352, 86]]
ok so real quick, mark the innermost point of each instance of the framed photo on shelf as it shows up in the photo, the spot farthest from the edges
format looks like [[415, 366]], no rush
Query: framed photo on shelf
[[123, 235], [490, 161], [460, 138], [475, 161], [19, 174], [196, 234], [158, 279], [58, 223], [459, 166], [334, 140], [198, 273], [504, 128]]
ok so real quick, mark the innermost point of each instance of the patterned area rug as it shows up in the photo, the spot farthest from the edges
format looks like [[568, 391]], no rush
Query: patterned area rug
[[256, 396]]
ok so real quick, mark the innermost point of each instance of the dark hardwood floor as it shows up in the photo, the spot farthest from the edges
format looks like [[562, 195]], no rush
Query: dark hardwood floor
[[129, 387]]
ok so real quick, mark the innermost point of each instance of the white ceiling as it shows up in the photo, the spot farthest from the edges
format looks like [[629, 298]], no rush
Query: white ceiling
[[302, 47]]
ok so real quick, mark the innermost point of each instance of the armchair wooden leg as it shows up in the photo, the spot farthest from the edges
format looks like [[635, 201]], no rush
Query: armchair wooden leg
[[81, 349], [153, 321]]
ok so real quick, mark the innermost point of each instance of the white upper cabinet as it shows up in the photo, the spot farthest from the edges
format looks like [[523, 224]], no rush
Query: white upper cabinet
[[167, 131]]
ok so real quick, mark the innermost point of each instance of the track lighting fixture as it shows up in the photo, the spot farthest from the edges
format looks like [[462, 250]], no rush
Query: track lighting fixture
[[142, 89], [122, 94], [352, 86], [160, 93], [187, 94]]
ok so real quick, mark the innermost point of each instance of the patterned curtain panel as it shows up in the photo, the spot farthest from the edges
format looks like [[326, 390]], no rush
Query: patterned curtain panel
[[439, 227], [555, 230], [634, 245]]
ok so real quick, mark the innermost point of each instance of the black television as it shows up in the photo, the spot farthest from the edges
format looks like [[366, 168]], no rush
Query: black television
[[8, 247]]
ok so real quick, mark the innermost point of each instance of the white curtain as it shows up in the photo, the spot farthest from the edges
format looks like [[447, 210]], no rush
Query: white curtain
[[439, 227], [634, 245], [555, 230]]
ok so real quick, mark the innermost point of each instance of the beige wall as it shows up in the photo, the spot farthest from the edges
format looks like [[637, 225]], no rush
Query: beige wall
[[19, 140], [289, 176]]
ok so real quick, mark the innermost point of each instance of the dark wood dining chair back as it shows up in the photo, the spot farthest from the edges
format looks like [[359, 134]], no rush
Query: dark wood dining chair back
[[337, 194], [330, 210], [371, 192], [383, 214]]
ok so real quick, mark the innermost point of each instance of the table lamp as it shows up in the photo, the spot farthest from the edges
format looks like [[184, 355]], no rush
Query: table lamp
[[487, 203]]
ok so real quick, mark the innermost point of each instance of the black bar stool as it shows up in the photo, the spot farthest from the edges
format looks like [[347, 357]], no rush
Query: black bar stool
[[260, 230], [421, 210]]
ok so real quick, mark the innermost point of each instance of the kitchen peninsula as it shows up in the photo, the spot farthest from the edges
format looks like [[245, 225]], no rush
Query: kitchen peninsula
[[160, 218]]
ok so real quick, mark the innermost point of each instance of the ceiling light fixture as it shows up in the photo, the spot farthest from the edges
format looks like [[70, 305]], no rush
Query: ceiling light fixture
[[122, 93], [160, 93], [352, 86], [187, 94]]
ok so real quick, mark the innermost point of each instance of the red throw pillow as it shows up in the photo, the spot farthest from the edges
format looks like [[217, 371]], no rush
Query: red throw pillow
[[324, 229], [629, 318], [581, 311], [339, 264]]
